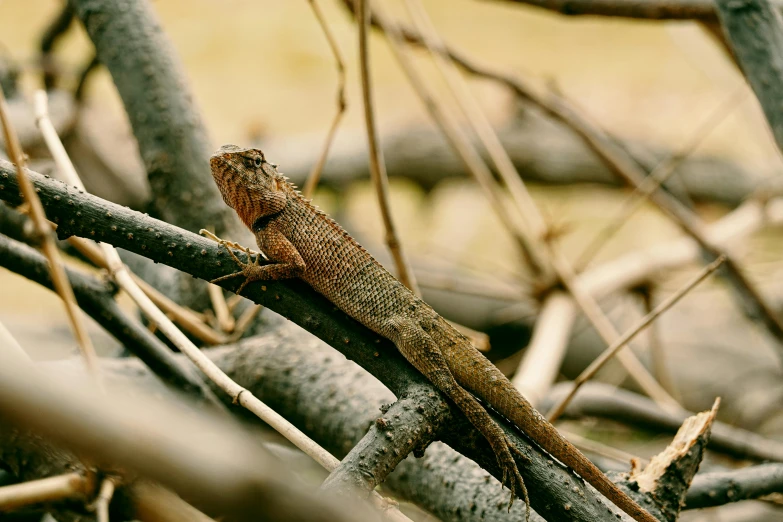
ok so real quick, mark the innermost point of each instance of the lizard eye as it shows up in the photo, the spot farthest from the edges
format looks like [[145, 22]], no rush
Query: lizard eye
[[258, 161]]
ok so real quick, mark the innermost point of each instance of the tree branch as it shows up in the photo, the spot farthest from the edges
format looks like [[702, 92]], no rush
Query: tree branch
[[754, 31], [703, 10], [295, 300], [723, 487]]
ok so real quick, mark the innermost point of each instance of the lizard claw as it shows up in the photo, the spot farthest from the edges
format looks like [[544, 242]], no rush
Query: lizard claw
[[209, 235], [512, 479], [251, 271]]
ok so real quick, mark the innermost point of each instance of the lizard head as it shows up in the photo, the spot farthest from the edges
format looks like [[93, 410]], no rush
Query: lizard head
[[248, 183]]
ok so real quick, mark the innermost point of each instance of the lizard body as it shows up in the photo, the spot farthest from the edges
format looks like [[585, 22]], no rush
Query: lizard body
[[301, 241]]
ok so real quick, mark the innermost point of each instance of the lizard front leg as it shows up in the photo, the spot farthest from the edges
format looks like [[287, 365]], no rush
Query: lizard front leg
[[425, 355], [286, 263]]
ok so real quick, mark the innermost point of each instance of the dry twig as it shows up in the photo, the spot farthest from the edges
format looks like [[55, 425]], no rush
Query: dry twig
[[657, 355], [105, 494], [225, 321], [312, 180], [377, 165], [245, 321], [613, 350], [184, 317], [74, 486], [44, 230]]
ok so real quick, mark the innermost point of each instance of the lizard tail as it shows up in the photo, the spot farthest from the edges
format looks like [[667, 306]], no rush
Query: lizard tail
[[492, 387]]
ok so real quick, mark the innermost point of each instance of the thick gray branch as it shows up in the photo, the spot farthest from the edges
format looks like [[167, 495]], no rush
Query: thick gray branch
[[150, 79], [643, 9], [718, 488], [172, 139], [754, 30]]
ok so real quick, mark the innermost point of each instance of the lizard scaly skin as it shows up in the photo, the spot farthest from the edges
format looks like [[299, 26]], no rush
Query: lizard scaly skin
[[301, 241]]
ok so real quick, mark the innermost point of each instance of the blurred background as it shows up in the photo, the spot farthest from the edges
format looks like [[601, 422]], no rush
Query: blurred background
[[262, 74]]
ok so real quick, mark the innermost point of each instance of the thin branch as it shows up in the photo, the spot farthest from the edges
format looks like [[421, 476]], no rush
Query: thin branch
[[645, 321], [659, 175], [44, 230], [245, 321], [607, 331], [657, 354], [377, 165], [105, 494], [603, 450], [225, 321], [71, 486], [315, 173]]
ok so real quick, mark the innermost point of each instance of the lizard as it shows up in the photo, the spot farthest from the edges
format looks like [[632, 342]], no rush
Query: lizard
[[301, 241]]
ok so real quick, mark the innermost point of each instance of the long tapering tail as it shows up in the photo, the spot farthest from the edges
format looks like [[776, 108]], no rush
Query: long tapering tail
[[492, 387]]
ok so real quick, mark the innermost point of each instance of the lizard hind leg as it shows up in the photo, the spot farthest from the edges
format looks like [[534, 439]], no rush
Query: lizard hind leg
[[424, 354]]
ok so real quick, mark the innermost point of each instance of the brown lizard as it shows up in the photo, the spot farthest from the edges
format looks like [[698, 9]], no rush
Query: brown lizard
[[301, 241]]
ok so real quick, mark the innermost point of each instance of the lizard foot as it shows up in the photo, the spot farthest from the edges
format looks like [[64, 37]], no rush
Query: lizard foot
[[251, 271], [512, 479], [209, 235]]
